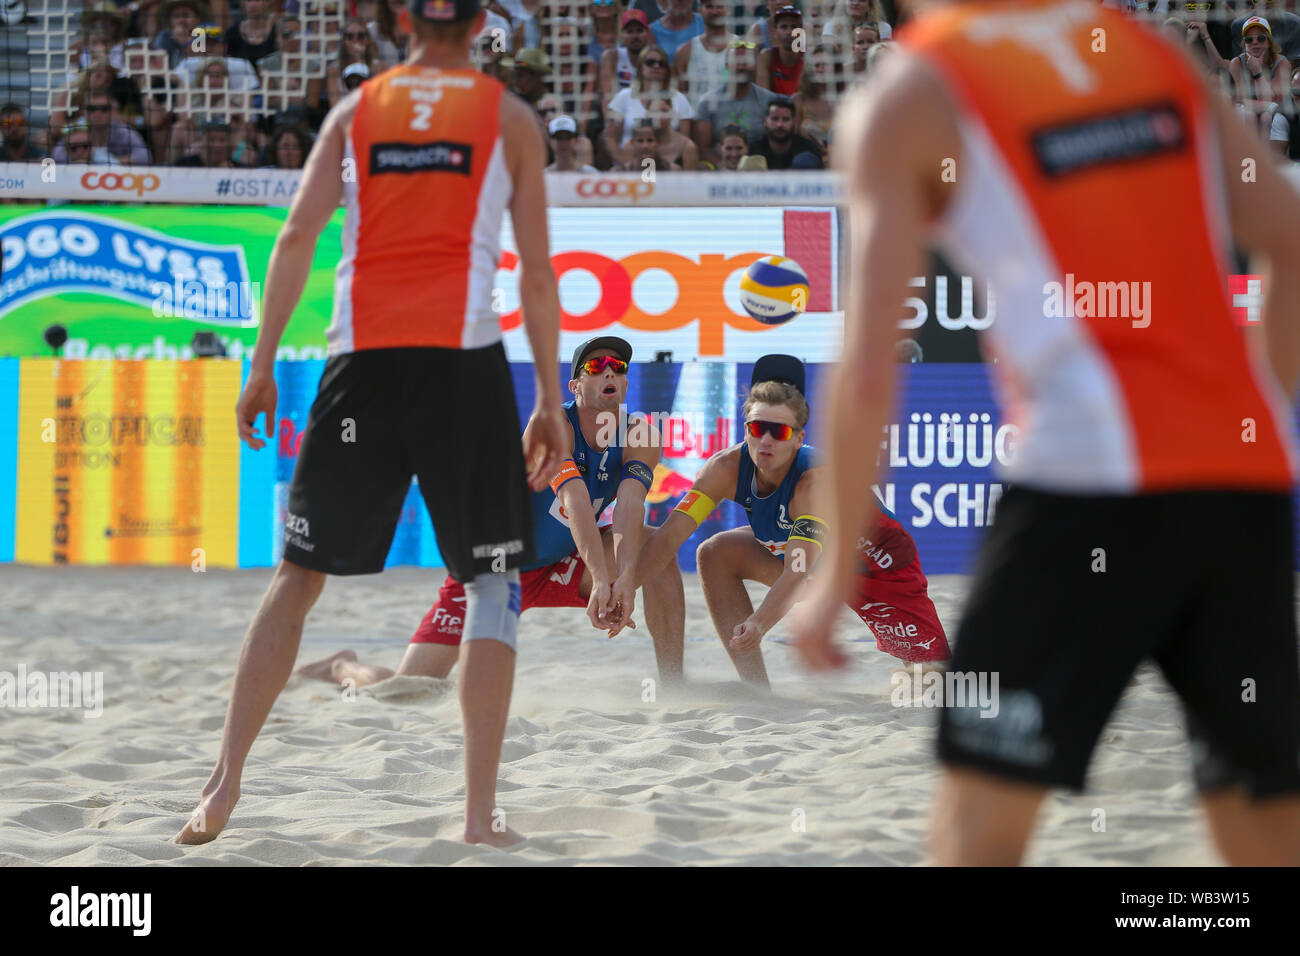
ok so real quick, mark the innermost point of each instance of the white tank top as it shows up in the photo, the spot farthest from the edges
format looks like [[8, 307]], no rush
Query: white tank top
[[707, 70], [626, 71]]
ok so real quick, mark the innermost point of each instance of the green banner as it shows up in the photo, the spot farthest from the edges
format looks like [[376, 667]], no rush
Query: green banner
[[139, 281]]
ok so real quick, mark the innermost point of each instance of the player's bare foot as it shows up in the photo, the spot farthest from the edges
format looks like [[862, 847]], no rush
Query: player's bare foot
[[210, 817], [501, 838], [324, 669]]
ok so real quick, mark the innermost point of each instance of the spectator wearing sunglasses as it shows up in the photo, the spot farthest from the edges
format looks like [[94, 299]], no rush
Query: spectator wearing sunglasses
[[1283, 25], [701, 65], [356, 48], [1207, 28], [678, 26], [112, 142], [74, 147], [628, 107], [1260, 75], [738, 102], [18, 146]]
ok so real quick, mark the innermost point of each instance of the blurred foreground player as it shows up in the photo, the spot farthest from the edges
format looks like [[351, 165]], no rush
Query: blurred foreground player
[[1098, 193]]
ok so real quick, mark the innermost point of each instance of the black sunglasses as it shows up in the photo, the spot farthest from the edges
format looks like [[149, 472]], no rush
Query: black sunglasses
[[79, 146], [655, 61], [98, 108]]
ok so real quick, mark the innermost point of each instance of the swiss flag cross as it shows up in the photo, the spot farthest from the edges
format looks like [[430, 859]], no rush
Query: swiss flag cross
[[1247, 298]]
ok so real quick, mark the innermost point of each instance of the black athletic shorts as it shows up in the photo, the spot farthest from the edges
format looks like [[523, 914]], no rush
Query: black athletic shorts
[[380, 416], [1072, 593]]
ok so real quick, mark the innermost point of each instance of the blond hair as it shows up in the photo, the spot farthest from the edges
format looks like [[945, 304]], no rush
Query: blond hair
[[778, 393]]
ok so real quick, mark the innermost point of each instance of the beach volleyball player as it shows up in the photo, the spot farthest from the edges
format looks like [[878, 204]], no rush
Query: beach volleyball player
[[576, 560], [426, 159], [772, 474], [1150, 510]]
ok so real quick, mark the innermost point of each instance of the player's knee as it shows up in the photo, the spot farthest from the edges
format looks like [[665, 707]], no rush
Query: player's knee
[[302, 585], [710, 557], [492, 603]]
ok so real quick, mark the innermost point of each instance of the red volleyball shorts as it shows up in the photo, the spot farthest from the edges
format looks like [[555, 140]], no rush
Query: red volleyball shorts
[[902, 616], [556, 585]]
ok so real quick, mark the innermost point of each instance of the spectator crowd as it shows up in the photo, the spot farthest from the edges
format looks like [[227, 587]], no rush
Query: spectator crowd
[[615, 84]]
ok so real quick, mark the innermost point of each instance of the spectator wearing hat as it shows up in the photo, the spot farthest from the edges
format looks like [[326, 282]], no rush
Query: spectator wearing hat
[[208, 44], [112, 142], [618, 66], [290, 78], [1284, 27], [701, 64], [734, 146], [679, 25], [532, 67], [357, 49], [253, 35], [180, 18], [1259, 75], [780, 66], [739, 102], [780, 144], [628, 107], [212, 149], [17, 139], [103, 28], [563, 132]]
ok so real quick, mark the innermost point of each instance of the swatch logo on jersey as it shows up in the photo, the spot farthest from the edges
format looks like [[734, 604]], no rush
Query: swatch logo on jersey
[[129, 462], [50, 254]]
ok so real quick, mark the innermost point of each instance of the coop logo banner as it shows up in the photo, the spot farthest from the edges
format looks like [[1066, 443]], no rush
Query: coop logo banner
[[50, 254]]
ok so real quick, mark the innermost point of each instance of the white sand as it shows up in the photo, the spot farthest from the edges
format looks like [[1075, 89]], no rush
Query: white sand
[[591, 772]]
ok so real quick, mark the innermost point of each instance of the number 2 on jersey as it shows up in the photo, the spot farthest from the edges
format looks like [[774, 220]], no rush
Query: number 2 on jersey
[[423, 115]]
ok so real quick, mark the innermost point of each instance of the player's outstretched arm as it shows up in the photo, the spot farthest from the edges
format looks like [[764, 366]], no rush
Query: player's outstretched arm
[[544, 446], [716, 481], [892, 142], [640, 456], [802, 548]]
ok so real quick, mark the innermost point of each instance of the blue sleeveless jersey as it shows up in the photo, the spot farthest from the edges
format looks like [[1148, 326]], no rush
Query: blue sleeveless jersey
[[601, 472], [770, 517]]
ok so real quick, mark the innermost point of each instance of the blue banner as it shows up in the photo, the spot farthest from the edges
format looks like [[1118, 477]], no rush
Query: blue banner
[[47, 254], [8, 455]]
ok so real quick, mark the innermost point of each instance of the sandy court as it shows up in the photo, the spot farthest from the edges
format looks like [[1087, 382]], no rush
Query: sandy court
[[822, 772]]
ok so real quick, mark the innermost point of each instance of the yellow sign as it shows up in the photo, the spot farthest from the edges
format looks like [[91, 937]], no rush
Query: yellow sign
[[128, 462]]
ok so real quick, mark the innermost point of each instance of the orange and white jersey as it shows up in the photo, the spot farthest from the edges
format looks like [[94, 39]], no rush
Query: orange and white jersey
[[1089, 193], [421, 236]]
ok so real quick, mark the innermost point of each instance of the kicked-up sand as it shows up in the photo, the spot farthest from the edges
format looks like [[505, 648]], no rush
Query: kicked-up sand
[[601, 765]]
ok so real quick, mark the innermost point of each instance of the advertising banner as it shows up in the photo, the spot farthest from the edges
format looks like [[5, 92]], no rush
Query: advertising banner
[[127, 462]]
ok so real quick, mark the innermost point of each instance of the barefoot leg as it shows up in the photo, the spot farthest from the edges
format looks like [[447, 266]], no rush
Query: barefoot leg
[[265, 663]]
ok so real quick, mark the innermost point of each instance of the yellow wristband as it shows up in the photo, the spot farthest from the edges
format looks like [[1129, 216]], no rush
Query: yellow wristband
[[696, 505]]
